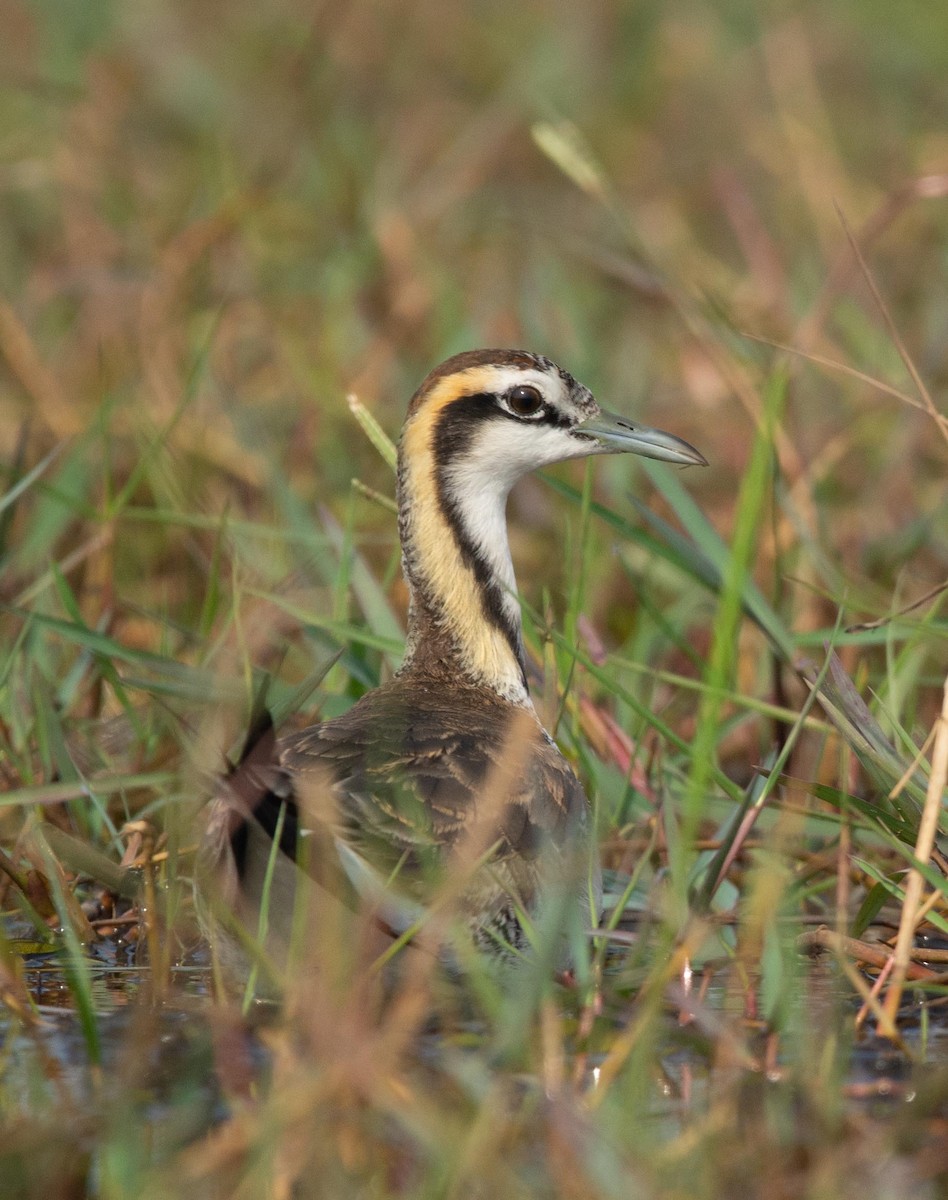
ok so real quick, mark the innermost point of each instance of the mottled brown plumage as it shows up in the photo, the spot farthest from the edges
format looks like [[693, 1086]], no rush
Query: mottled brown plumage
[[419, 770], [445, 770]]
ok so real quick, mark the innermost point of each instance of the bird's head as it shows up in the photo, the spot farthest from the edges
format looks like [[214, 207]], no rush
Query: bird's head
[[477, 424], [488, 417]]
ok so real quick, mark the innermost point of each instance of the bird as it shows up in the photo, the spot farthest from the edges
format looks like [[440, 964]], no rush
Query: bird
[[444, 774]]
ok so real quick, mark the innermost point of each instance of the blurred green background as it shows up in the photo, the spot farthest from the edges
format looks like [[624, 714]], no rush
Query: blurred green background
[[219, 220], [261, 208]]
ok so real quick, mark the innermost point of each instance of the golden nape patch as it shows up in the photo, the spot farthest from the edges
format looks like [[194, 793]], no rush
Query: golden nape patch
[[435, 552], [480, 371]]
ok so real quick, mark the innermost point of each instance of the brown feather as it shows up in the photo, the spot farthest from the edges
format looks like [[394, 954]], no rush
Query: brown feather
[[446, 766]]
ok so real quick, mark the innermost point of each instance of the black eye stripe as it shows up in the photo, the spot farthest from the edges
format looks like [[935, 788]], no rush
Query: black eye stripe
[[458, 422]]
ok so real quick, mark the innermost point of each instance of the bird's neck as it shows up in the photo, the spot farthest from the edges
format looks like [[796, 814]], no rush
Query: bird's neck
[[464, 617]]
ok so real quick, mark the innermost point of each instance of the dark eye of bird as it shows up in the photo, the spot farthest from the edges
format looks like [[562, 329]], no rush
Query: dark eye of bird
[[524, 401]]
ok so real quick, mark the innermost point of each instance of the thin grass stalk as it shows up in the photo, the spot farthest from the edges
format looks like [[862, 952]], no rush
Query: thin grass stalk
[[720, 669], [915, 883], [746, 816]]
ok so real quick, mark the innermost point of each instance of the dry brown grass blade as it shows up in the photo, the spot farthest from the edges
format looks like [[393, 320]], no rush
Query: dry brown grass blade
[[37, 380], [899, 612], [14, 995], [858, 950], [47, 866], [938, 780], [841, 272], [833, 364], [894, 334]]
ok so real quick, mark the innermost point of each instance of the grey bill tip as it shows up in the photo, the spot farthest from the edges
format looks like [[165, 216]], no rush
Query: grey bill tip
[[624, 436]]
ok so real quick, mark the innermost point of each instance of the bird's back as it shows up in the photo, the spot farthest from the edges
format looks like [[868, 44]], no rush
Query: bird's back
[[422, 778], [442, 781]]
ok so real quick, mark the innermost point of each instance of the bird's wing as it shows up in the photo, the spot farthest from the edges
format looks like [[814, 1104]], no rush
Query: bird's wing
[[408, 775], [392, 786]]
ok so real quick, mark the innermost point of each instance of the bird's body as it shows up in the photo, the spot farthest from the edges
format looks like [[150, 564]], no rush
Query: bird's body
[[445, 769]]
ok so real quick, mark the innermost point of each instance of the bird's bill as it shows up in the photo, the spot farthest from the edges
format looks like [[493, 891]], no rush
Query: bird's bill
[[622, 435]]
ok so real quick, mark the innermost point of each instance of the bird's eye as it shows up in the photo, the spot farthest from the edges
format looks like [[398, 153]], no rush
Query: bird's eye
[[524, 401]]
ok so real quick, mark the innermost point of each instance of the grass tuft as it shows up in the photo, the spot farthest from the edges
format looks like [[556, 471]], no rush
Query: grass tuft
[[235, 240]]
